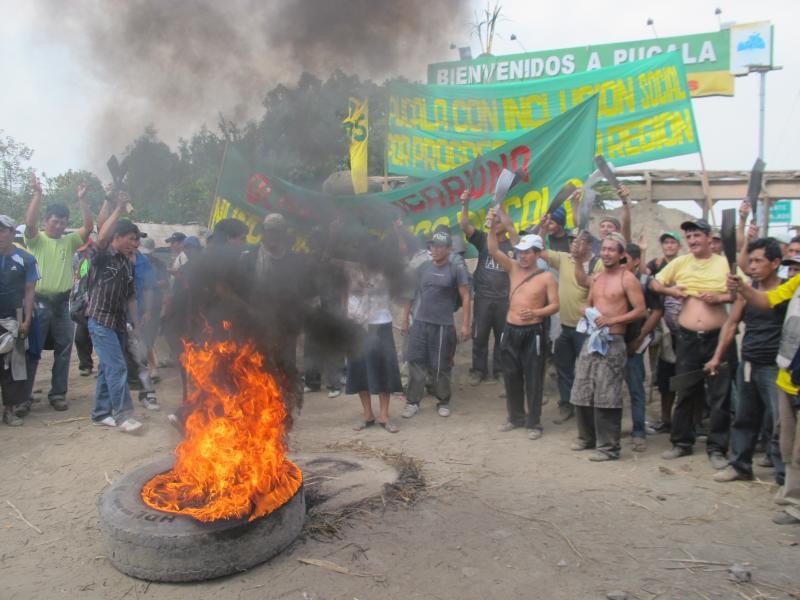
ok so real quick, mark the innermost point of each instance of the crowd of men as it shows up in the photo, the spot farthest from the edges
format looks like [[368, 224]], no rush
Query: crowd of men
[[593, 307]]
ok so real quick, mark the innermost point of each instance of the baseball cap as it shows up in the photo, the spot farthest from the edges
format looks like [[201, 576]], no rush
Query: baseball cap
[[148, 246], [176, 237], [716, 233], [441, 238], [791, 260], [274, 222], [613, 220], [126, 227], [531, 240], [617, 237], [559, 216], [671, 234], [192, 242], [700, 224], [7, 222], [784, 237]]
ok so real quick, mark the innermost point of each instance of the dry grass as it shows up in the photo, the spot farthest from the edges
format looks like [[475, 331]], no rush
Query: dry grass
[[406, 491]]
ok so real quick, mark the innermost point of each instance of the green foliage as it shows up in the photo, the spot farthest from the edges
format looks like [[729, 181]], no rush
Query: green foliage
[[15, 175], [62, 189]]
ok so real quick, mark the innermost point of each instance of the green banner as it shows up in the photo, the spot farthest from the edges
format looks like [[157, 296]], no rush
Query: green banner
[[559, 151], [701, 53], [644, 113]]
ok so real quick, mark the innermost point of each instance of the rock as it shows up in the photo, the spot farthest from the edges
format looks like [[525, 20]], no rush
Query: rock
[[617, 595], [562, 563], [739, 573]]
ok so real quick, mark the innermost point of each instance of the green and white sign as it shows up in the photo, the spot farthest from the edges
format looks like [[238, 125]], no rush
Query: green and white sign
[[706, 57], [780, 212]]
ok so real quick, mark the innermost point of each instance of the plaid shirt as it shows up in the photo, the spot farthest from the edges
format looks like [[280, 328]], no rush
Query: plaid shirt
[[111, 286]]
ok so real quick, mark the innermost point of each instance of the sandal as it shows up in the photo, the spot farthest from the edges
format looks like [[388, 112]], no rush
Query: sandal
[[361, 425], [389, 426]]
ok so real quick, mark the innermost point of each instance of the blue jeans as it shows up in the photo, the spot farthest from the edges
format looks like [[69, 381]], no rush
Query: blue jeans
[[112, 397], [634, 378], [54, 320], [567, 350], [757, 397]]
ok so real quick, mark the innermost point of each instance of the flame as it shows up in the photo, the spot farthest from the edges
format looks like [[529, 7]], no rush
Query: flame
[[232, 463]]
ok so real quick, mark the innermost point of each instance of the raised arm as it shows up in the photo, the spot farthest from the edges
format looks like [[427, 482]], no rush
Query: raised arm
[[743, 257], [624, 194], [755, 298], [86, 214], [466, 226], [726, 336], [107, 230], [34, 209], [513, 236], [494, 248], [581, 252]]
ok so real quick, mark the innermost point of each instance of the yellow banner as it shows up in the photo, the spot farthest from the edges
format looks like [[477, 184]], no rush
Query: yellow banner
[[357, 125], [710, 83]]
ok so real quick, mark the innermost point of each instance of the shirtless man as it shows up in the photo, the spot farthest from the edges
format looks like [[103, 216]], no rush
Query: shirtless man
[[599, 374], [523, 346], [699, 279]]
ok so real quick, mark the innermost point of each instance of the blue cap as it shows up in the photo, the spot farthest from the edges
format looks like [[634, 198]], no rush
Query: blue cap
[[192, 242], [559, 216]]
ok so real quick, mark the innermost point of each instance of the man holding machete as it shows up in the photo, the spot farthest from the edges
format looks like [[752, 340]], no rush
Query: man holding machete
[[533, 298], [788, 382], [490, 284], [615, 299], [755, 379], [699, 279]]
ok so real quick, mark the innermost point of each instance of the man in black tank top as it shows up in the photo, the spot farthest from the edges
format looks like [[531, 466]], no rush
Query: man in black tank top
[[757, 373]]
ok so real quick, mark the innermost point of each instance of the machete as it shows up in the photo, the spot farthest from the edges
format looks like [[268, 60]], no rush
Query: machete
[[589, 196], [680, 383], [728, 233], [606, 170], [505, 182], [563, 194], [475, 170], [754, 186]]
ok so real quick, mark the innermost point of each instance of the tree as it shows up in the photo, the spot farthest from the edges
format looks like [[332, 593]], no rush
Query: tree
[[62, 189], [14, 175]]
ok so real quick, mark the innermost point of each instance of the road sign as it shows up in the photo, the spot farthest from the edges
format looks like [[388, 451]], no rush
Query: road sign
[[780, 212]]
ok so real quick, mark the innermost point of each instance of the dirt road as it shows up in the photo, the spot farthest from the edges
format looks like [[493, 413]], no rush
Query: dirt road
[[502, 517]]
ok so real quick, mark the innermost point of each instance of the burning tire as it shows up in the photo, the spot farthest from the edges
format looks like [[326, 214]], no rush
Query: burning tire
[[158, 546]]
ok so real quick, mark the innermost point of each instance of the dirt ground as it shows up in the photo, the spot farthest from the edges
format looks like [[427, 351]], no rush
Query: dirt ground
[[502, 516]]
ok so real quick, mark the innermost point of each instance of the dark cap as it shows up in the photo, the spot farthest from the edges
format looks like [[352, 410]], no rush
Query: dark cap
[[610, 219], [633, 250], [126, 227], [192, 242], [791, 261], [700, 224], [441, 238], [559, 216], [176, 237]]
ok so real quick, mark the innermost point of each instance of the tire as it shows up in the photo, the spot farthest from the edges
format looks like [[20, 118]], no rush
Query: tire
[[158, 546]]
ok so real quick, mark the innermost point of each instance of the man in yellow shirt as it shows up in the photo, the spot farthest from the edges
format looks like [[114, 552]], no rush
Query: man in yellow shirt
[[53, 251], [788, 387], [699, 279]]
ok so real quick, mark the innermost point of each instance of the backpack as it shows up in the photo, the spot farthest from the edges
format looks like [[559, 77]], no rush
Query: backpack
[[79, 297]]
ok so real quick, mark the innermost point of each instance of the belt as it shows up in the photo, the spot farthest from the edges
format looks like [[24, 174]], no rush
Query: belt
[[700, 335], [53, 298]]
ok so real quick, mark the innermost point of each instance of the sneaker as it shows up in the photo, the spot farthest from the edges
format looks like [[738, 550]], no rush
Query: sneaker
[[23, 408], [565, 413], [334, 392], [639, 444], [729, 473], [409, 410], [149, 401], [661, 426], [85, 371], [443, 410], [579, 445], [173, 420], [59, 403], [129, 425], [718, 460], [765, 461], [535, 433], [784, 518], [475, 378], [507, 426], [10, 418], [598, 456], [676, 452], [107, 422]]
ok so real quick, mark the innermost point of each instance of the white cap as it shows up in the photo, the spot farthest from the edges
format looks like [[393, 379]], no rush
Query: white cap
[[526, 242]]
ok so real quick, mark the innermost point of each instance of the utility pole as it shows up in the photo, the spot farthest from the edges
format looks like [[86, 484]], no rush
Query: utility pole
[[762, 100]]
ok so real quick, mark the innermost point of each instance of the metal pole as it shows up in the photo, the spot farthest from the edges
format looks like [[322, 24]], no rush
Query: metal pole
[[761, 101]]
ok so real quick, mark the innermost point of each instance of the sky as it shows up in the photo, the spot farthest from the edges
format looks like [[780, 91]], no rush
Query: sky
[[50, 99]]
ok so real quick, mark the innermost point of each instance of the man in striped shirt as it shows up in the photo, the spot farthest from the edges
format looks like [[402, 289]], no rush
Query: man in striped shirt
[[111, 297]]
